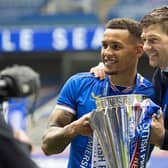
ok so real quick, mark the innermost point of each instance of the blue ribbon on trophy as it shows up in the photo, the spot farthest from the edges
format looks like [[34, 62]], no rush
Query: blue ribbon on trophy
[[139, 146]]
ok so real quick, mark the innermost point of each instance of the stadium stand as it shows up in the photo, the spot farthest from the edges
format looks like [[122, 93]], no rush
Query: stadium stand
[[19, 13], [133, 9], [65, 19], [12, 10], [31, 13]]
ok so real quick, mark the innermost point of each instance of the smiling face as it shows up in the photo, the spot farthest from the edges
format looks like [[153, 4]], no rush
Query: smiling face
[[120, 52], [156, 45]]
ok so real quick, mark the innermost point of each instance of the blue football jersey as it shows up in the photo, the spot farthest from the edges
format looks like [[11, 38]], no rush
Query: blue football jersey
[[78, 95]]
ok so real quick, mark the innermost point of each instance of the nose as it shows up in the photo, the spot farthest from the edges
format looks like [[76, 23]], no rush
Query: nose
[[108, 51], [146, 46]]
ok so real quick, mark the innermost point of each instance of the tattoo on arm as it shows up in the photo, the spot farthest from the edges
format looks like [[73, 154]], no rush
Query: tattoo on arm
[[57, 137], [60, 118]]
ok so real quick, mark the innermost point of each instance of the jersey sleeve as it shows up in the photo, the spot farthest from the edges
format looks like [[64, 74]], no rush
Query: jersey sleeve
[[68, 94]]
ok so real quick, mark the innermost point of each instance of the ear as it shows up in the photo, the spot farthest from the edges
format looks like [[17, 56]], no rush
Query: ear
[[139, 50]]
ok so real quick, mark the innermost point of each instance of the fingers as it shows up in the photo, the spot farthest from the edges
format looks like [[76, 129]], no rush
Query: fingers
[[101, 64], [84, 125], [92, 69], [98, 71], [158, 117], [157, 130], [100, 74]]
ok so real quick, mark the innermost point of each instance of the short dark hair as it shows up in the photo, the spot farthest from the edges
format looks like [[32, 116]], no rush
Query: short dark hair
[[157, 16], [131, 25]]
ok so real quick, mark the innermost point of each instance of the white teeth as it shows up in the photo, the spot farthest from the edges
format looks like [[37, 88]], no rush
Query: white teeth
[[110, 62]]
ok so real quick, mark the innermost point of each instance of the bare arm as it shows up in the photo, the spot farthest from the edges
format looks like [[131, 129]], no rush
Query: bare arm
[[62, 129]]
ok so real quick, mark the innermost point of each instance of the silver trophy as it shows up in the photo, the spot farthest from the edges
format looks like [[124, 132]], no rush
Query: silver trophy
[[114, 122]]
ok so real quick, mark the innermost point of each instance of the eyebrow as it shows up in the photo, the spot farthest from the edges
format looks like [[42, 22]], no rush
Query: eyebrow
[[152, 35], [111, 41]]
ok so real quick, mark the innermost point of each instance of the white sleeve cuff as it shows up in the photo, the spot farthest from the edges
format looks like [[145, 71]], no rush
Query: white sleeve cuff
[[66, 108]]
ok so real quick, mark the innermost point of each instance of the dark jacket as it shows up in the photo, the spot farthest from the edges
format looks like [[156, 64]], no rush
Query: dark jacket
[[160, 83], [11, 154]]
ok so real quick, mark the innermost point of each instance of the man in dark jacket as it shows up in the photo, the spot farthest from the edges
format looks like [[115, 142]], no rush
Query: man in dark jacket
[[12, 155], [155, 37]]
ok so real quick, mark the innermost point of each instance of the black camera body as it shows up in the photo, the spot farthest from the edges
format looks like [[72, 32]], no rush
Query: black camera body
[[18, 81]]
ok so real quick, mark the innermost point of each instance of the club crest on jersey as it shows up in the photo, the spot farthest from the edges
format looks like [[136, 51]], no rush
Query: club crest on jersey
[[94, 96]]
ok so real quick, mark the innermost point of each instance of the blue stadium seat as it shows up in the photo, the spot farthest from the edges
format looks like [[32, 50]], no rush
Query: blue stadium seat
[[71, 18]]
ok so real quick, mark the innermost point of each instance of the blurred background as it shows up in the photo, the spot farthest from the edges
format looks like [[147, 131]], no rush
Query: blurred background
[[57, 39]]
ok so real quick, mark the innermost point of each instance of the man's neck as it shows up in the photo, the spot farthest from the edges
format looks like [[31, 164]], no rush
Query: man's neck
[[122, 80]]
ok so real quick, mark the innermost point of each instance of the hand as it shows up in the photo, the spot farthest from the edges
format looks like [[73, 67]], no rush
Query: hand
[[98, 71], [21, 135], [157, 130], [82, 126]]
